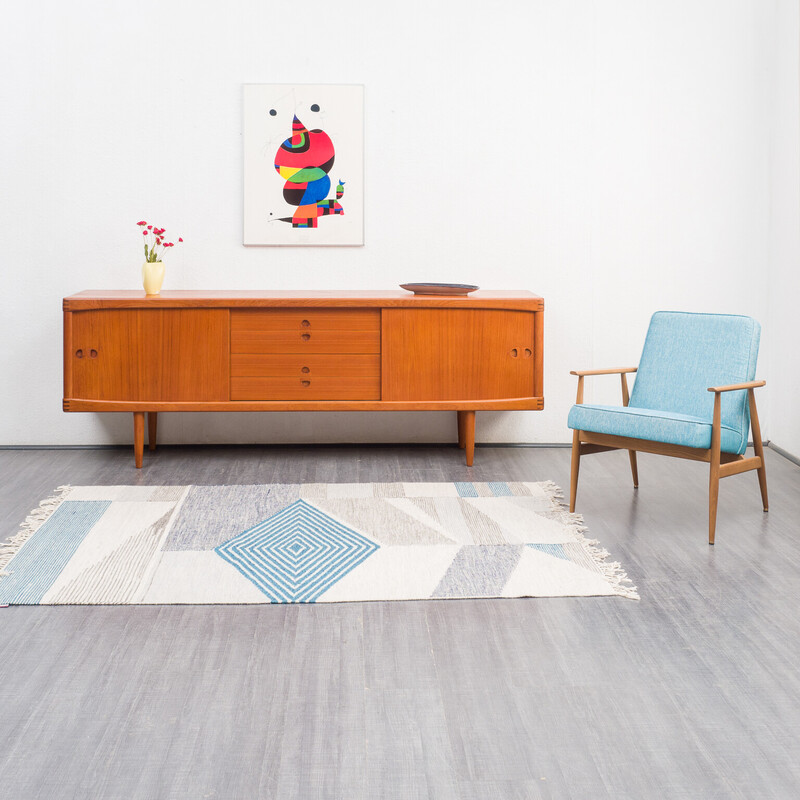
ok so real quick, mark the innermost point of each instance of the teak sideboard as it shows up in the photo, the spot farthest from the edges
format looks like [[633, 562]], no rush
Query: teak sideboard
[[302, 351]]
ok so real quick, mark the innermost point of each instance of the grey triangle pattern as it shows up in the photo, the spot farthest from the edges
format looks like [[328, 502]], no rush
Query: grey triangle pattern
[[115, 579], [479, 571], [383, 522], [427, 506], [211, 515], [483, 528], [576, 553], [458, 514], [542, 506], [449, 513]]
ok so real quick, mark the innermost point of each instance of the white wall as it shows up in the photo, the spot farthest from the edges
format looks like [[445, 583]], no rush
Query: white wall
[[614, 157], [784, 385]]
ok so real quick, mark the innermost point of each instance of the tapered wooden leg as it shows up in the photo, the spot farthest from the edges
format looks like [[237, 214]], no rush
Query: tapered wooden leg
[[138, 437], [762, 477], [759, 449], [469, 436], [713, 476], [573, 470], [713, 497], [152, 428], [631, 453], [462, 439], [634, 468]]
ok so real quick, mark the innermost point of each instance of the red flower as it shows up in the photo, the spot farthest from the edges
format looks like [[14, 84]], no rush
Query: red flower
[[149, 227], [179, 239], [144, 233], [142, 223]]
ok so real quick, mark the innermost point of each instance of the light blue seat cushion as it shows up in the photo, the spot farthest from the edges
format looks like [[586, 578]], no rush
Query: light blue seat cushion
[[656, 426], [683, 355]]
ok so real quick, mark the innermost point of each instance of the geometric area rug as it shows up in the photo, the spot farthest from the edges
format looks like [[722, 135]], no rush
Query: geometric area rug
[[303, 543]]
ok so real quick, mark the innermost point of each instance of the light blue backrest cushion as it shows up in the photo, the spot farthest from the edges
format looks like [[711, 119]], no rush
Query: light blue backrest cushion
[[685, 353]]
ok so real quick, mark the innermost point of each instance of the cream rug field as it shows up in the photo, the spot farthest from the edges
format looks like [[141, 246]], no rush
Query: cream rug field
[[303, 543]]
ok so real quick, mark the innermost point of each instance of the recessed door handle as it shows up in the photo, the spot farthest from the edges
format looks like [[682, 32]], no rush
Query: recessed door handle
[[305, 323], [305, 336], [306, 383], [514, 353], [79, 353], [305, 370]]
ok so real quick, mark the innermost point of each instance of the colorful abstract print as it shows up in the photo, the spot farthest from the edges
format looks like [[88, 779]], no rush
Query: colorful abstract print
[[304, 161]]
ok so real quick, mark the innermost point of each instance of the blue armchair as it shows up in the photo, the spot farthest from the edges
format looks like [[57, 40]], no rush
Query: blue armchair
[[693, 398]]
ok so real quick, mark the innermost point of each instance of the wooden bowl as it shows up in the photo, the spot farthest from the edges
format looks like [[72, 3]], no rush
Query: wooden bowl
[[439, 288]]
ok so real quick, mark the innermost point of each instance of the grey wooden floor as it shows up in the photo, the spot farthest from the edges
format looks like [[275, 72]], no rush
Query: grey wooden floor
[[693, 692]]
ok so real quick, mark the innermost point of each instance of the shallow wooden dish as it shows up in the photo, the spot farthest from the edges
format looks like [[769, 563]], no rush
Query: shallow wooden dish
[[439, 288]]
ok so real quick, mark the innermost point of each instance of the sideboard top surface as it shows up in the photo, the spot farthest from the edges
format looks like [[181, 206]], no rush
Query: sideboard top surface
[[501, 299]]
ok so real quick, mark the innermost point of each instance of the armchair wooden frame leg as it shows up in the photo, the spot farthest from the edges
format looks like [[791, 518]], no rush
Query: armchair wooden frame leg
[[575, 466], [631, 453], [713, 473], [721, 464], [575, 463], [758, 447]]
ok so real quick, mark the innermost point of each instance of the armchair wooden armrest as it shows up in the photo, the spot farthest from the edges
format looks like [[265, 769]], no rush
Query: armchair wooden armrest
[[739, 463], [737, 386], [613, 371], [621, 371]]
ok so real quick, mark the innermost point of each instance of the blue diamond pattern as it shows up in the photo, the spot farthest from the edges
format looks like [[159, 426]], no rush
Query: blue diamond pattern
[[297, 554]]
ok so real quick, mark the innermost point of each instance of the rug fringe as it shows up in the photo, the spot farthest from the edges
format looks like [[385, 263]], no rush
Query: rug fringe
[[37, 517], [612, 570]]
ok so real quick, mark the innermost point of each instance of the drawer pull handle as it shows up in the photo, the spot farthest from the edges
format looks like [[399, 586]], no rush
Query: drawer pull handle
[[305, 336], [528, 352], [79, 353], [514, 353], [93, 353], [305, 370], [305, 323], [306, 383]]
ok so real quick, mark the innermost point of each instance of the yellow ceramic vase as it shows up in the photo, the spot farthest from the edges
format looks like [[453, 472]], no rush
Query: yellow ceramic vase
[[152, 276]]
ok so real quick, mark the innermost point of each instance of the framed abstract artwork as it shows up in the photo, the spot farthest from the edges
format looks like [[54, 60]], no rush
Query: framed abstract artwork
[[303, 164]]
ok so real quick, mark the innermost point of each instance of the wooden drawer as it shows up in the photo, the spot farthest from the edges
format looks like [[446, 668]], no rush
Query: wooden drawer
[[309, 388], [305, 319], [259, 365], [316, 341]]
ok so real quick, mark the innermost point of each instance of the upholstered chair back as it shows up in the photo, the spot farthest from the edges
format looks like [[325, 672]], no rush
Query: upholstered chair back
[[684, 354]]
